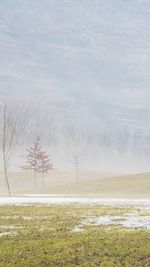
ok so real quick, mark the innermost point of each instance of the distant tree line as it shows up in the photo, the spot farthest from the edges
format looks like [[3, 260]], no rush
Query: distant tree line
[[29, 127]]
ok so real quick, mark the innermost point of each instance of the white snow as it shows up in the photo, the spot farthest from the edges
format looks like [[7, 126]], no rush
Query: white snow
[[136, 221], [73, 200], [28, 218], [10, 227], [102, 220], [8, 233], [132, 221]]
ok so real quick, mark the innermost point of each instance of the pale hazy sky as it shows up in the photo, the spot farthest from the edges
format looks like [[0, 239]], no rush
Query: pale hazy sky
[[84, 61], [89, 53]]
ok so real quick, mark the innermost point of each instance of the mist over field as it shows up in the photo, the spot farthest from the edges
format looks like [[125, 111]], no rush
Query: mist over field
[[79, 72], [74, 133]]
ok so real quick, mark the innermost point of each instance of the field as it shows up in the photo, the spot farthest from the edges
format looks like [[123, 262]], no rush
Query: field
[[79, 226], [74, 235], [91, 183]]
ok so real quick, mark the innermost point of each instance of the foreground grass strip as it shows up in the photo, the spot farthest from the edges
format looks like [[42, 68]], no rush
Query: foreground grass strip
[[45, 238]]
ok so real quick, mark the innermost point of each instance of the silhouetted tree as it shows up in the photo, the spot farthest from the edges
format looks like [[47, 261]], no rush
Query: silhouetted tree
[[9, 139], [76, 144]]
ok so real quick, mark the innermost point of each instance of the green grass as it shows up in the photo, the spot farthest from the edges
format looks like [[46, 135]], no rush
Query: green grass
[[45, 238]]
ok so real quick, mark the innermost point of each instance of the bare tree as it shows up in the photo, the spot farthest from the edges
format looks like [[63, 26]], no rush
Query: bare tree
[[9, 140], [76, 143], [76, 158]]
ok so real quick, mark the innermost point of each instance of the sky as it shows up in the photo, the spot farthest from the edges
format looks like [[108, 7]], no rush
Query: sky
[[79, 58], [66, 50]]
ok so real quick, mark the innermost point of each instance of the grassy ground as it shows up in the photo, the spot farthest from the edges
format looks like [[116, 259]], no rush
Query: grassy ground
[[90, 184], [43, 236], [56, 182]]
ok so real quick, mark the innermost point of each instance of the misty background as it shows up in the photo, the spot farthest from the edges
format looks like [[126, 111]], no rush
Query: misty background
[[78, 71]]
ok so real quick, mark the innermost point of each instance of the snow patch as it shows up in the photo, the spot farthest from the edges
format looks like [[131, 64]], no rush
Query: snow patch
[[131, 221], [10, 227], [8, 234]]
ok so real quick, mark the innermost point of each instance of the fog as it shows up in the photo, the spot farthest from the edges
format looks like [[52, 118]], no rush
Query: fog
[[76, 73]]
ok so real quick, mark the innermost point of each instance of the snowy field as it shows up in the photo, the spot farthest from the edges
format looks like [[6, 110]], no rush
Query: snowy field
[[67, 199], [139, 217], [45, 229]]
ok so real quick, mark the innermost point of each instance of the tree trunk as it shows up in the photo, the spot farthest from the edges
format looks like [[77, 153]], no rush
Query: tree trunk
[[6, 177], [35, 181], [4, 151], [43, 179], [77, 174]]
